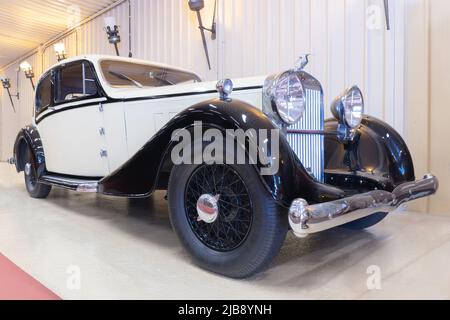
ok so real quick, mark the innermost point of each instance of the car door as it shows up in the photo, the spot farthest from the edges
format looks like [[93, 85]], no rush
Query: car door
[[71, 125]]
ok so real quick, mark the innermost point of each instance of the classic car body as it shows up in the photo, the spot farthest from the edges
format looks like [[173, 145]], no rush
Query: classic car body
[[105, 124]]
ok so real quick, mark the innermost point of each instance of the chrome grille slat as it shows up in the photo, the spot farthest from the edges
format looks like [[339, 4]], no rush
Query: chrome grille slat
[[310, 147]]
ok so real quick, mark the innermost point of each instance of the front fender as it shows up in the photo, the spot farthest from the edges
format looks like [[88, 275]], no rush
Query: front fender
[[29, 138], [378, 150], [139, 176]]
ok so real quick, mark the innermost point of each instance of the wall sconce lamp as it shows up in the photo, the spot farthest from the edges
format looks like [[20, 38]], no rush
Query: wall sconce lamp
[[7, 85], [112, 31], [197, 6], [29, 73], [386, 11], [60, 50]]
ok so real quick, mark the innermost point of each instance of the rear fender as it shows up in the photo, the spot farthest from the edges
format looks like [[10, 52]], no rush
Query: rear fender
[[29, 139]]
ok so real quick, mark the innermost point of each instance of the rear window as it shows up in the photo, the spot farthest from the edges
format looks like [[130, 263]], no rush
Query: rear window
[[126, 74], [44, 93]]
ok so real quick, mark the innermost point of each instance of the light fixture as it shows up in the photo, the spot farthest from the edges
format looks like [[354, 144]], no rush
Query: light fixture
[[7, 86], [197, 6], [60, 50], [112, 31], [29, 73]]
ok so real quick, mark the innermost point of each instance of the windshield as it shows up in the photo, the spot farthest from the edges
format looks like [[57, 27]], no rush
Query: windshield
[[126, 74]]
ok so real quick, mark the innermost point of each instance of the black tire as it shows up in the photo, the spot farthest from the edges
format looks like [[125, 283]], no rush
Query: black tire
[[366, 222], [35, 189], [234, 255]]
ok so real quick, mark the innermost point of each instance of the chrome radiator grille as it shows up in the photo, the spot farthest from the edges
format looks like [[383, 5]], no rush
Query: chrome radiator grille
[[303, 136]]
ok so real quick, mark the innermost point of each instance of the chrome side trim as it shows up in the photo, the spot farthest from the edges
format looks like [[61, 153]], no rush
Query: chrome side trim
[[308, 219], [79, 185], [88, 188]]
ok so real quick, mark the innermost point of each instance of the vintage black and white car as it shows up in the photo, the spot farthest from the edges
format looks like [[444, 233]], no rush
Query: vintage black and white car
[[110, 125]]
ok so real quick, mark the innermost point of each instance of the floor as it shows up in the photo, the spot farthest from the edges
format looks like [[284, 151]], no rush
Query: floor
[[92, 247], [16, 284]]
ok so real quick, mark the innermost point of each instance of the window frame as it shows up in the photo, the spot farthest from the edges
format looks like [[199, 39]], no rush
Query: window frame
[[86, 63]]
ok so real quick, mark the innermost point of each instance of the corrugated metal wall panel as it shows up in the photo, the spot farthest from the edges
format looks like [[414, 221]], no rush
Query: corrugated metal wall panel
[[92, 36], [167, 31], [25, 110], [12, 121], [71, 44], [257, 37]]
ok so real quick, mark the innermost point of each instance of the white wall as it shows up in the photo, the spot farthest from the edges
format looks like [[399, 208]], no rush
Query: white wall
[[427, 95]]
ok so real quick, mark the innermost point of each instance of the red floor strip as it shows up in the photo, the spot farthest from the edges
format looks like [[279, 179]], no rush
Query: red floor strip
[[15, 284]]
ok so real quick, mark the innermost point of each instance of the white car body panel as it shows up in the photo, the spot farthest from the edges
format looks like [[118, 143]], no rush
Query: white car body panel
[[72, 144]]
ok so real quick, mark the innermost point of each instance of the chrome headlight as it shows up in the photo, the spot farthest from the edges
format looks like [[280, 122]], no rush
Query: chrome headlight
[[288, 97], [348, 108]]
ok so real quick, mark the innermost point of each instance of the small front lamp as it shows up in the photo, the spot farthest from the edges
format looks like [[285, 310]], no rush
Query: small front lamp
[[60, 50], [29, 73], [112, 31]]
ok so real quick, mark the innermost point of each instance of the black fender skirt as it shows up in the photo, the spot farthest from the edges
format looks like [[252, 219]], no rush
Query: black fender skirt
[[138, 177]]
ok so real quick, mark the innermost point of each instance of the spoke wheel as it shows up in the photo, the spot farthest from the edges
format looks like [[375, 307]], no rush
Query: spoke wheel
[[233, 224], [225, 218]]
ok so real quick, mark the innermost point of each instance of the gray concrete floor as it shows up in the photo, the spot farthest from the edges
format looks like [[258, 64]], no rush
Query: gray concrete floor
[[127, 250]]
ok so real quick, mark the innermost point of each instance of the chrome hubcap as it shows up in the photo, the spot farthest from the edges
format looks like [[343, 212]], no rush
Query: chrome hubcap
[[28, 169], [208, 208]]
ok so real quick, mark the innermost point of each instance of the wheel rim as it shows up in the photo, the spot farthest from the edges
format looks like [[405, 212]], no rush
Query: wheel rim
[[232, 226], [31, 176]]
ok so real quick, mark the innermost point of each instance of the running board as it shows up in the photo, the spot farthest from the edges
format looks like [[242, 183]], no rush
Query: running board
[[74, 184]]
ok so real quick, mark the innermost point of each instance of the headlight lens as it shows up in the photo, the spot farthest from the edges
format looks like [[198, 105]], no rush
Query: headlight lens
[[289, 98], [349, 107], [353, 107]]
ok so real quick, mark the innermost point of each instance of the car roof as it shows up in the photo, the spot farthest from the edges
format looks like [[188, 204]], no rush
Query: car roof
[[95, 59]]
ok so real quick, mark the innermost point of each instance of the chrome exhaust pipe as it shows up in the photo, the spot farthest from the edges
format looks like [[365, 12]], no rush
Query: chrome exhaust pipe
[[306, 219]]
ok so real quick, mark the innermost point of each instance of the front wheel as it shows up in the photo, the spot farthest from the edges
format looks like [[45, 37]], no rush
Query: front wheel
[[225, 218], [35, 189]]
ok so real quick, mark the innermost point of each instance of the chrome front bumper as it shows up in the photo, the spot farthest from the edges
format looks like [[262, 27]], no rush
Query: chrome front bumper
[[308, 219]]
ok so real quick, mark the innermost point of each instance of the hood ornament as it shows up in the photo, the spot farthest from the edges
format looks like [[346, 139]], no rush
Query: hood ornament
[[302, 62]]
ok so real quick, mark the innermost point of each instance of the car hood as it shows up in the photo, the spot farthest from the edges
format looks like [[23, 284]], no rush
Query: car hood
[[193, 88]]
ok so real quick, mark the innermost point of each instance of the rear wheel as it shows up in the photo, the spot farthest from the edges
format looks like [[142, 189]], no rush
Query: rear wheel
[[366, 222], [225, 218], [35, 189]]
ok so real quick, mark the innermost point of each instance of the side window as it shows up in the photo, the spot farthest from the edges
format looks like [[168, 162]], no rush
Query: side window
[[44, 94], [75, 82]]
